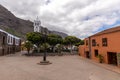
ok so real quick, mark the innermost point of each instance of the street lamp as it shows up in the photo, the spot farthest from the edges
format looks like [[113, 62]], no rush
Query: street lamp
[[44, 34], [44, 61]]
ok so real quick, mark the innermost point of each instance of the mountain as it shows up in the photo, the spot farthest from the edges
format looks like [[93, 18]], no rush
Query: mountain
[[16, 26], [60, 33]]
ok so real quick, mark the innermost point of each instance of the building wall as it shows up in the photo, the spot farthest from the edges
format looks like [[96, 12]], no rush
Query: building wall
[[82, 50], [3, 42], [113, 45], [6, 47]]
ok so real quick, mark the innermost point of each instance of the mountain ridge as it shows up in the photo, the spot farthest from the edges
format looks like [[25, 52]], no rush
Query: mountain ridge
[[19, 27]]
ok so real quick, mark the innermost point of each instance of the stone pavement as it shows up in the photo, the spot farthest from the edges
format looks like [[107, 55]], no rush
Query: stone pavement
[[17, 67], [106, 66]]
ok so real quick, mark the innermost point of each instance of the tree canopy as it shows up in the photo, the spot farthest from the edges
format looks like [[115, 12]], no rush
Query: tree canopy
[[54, 39], [35, 38], [71, 40]]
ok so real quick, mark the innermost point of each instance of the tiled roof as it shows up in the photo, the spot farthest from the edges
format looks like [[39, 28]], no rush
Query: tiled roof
[[111, 30]]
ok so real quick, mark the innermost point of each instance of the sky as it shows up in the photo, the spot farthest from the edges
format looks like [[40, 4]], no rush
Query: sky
[[80, 18]]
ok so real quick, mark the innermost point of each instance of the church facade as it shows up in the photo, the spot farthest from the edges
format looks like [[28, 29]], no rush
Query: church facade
[[39, 28]]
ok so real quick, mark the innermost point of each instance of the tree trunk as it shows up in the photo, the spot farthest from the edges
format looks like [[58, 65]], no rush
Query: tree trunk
[[28, 51], [38, 49], [70, 48], [53, 49]]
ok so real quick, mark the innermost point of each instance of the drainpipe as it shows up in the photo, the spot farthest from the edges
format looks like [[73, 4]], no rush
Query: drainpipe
[[90, 47]]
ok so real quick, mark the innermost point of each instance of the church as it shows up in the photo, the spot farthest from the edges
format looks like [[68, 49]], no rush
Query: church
[[39, 28], [37, 25]]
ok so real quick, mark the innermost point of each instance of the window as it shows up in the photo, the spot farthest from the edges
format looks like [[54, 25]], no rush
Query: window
[[86, 42], [93, 42], [16, 41], [96, 53], [9, 39], [104, 41]]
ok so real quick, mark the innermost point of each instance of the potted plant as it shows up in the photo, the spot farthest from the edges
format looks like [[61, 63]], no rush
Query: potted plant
[[100, 58]]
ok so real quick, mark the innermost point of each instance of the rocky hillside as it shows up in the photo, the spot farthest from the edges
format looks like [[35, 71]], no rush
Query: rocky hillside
[[16, 26], [60, 33]]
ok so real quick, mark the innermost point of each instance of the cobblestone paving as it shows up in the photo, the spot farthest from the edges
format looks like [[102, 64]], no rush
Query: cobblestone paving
[[16, 67]]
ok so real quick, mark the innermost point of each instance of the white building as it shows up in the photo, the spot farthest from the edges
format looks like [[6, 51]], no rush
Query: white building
[[37, 25]]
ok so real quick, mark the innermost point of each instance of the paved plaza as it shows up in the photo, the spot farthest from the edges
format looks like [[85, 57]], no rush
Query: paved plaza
[[70, 67]]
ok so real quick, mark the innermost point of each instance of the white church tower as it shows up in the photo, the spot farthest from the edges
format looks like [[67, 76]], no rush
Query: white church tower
[[37, 25]]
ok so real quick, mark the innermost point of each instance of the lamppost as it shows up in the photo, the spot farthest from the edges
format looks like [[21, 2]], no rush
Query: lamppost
[[44, 61], [44, 56]]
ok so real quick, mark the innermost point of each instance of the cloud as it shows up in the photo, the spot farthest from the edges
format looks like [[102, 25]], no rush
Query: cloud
[[81, 18]]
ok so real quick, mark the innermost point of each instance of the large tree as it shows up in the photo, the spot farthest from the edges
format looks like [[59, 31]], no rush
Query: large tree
[[35, 38], [71, 40], [28, 45], [54, 39], [80, 43]]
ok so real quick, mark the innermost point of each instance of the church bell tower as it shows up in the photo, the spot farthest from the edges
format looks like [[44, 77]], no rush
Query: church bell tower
[[37, 25]]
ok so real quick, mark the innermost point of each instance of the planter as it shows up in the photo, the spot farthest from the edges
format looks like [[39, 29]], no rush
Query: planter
[[100, 58]]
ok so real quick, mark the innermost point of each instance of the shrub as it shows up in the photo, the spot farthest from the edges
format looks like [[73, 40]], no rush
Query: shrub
[[100, 58]]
